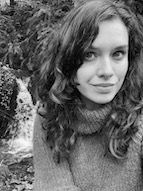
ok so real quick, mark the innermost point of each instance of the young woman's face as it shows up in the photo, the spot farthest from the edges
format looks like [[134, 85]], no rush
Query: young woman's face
[[105, 64]]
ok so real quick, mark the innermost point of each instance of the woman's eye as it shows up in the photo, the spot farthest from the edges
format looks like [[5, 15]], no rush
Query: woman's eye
[[90, 56], [119, 54]]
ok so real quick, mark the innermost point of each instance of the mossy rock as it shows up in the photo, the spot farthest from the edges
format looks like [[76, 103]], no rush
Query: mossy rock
[[8, 96]]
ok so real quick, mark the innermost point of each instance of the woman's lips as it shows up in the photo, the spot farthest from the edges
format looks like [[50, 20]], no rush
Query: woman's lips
[[104, 88], [103, 85]]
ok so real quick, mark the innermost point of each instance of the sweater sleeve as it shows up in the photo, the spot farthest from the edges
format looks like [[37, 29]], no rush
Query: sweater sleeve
[[48, 175]]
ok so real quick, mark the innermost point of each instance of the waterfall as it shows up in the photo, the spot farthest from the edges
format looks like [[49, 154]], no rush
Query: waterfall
[[21, 143]]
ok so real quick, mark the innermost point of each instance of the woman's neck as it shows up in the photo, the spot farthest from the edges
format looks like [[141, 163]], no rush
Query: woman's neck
[[90, 105]]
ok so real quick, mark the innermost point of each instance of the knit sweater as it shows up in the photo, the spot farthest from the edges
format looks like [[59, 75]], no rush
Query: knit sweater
[[88, 168]]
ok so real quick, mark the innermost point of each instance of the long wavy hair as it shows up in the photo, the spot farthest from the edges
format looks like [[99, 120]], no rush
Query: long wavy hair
[[65, 54]]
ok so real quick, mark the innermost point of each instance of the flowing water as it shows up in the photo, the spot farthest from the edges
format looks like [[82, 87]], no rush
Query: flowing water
[[21, 143]]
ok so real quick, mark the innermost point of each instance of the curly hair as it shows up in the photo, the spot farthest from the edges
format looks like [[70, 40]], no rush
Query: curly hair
[[56, 87]]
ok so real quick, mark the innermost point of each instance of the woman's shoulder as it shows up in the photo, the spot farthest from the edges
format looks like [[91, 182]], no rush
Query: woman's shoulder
[[39, 132]]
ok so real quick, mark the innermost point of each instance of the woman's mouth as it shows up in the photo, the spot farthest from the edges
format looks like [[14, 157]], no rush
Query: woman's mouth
[[104, 85]]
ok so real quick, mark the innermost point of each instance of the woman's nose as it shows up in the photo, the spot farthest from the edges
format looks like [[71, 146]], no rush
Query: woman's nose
[[105, 69]]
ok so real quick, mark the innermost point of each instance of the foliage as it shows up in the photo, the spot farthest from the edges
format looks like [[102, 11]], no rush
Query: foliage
[[38, 28], [28, 21], [8, 94], [7, 35], [7, 85], [40, 19]]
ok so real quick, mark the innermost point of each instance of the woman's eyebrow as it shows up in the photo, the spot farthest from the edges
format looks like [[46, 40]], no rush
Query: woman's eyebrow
[[122, 47], [116, 47], [93, 48]]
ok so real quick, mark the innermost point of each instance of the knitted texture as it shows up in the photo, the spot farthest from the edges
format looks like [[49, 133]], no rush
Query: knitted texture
[[92, 121], [89, 167]]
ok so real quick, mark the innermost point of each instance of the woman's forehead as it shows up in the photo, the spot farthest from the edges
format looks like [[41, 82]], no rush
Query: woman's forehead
[[112, 32]]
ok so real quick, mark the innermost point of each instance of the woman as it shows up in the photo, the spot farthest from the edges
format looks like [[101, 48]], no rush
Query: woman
[[90, 133]]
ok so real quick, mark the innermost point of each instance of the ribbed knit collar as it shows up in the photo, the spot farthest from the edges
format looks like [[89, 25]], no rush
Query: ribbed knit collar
[[92, 121]]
